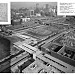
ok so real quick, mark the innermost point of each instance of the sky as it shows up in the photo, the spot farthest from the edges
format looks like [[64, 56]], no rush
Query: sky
[[17, 5]]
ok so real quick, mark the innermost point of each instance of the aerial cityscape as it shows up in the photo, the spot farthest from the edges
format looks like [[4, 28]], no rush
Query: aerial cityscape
[[38, 40]]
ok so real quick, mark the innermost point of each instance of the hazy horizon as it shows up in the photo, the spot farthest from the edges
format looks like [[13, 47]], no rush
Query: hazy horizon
[[17, 5]]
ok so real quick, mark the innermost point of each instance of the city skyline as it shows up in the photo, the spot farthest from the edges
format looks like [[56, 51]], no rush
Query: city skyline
[[18, 5]]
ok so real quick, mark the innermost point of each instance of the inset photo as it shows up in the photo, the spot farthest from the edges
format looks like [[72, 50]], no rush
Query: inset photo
[[4, 13]]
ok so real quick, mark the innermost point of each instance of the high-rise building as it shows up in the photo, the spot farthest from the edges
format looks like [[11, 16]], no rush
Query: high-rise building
[[37, 10], [31, 12], [37, 5], [47, 6]]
